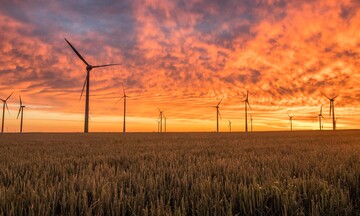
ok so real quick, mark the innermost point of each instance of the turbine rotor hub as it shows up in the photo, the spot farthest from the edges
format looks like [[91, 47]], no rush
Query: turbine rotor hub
[[89, 67]]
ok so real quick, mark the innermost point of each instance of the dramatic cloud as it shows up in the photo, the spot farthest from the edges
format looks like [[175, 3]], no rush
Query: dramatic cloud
[[182, 56]]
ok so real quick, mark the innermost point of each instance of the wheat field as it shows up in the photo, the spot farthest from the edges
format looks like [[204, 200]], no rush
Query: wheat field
[[262, 173]]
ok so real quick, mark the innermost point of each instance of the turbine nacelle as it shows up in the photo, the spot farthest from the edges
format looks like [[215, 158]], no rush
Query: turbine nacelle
[[89, 68]]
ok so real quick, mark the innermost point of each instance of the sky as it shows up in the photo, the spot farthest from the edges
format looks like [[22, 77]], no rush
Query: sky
[[181, 57]]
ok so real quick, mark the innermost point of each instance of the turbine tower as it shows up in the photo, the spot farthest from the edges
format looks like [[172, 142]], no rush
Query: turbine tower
[[21, 110], [165, 123], [124, 122], [3, 115], [229, 126], [336, 122], [320, 118], [87, 84], [290, 119], [218, 114], [332, 109], [246, 111]]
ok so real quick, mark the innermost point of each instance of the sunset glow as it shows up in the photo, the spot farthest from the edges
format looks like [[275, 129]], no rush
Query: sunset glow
[[182, 57]]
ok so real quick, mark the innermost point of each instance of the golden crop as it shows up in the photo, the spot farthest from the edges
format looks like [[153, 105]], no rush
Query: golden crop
[[278, 173]]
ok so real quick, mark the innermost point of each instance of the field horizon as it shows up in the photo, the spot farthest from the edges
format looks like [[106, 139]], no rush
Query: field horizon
[[184, 132]]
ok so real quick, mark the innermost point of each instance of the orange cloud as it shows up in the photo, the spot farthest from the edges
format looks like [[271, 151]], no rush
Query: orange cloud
[[182, 57]]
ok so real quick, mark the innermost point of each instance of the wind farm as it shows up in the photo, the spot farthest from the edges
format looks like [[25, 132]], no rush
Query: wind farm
[[141, 138]]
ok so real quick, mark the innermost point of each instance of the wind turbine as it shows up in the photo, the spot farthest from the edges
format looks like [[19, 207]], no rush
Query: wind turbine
[[3, 115], [251, 123], [320, 118], [229, 126], [124, 96], [246, 115], [165, 123], [87, 84], [218, 114], [161, 119], [158, 125], [332, 109], [290, 119], [21, 110]]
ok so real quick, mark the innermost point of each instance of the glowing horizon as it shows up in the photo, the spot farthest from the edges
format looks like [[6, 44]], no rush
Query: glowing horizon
[[183, 58]]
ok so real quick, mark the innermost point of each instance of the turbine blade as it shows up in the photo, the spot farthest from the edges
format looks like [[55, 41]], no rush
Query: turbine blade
[[321, 110], [119, 99], [107, 65], [20, 101], [220, 101], [77, 53], [18, 113], [82, 91], [7, 108], [334, 97], [247, 95], [219, 114], [326, 96], [248, 104], [9, 96]]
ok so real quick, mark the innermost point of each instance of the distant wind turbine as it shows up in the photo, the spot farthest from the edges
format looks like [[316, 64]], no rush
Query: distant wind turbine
[[158, 125], [161, 119], [320, 118], [251, 123], [332, 109], [229, 126], [165, 123], [124, 96], [218, 114], [3, 115], [246, 111], [87, 84], [290, 119], [21, 110]]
